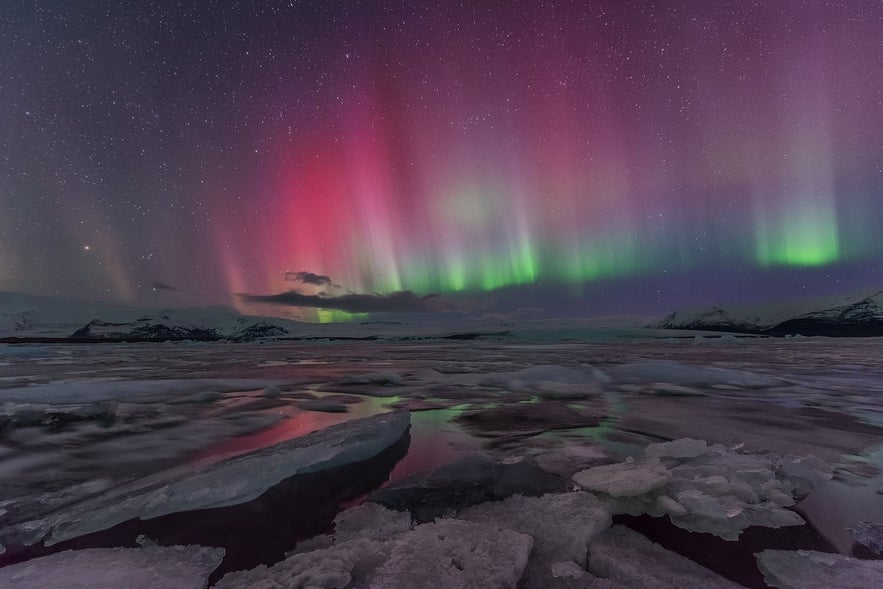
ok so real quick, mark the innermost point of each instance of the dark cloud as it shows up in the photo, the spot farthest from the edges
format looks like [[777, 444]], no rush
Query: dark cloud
[[308, 278], [163, 286], [404, 301]]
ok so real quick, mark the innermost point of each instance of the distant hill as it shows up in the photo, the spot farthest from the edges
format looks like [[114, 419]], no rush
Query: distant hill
[[35, 317], [851, 315]]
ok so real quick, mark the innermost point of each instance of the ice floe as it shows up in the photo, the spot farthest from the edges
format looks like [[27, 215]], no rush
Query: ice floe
[[548, 381], [173, 567], [687, 375], [228, 482], [523, 419], [720, 491], [632, 560], [473, 479], [561, 525], [869, 535], [808, 569], [447, 554]]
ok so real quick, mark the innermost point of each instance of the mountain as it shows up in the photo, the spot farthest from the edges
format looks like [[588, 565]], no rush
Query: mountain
[[165, 327], [41, 317], [853, 315]]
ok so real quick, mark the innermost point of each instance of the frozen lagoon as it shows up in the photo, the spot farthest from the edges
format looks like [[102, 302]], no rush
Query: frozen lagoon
[[80, 422]]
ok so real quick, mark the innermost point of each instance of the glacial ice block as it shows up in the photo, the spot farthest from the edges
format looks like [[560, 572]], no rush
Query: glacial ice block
[[808, 569], [719, 491], [561, 525], [455, 554], [624, 479], [173, 567], [228, 482]]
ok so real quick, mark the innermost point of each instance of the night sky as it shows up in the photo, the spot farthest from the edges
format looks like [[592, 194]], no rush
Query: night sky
[[581, 157]]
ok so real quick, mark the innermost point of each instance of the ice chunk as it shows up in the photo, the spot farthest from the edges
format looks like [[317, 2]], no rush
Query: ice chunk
[[229, 482], [454, 554], [332, 568], [687, 375], [629, 558], [370, 520], [808, 569], [378, 378], [323, 406], [548, 381], [717, 491], [868, 534], [624, 479], [521, 419], [561, 525], [682, 448], [173, 567], [473, 479]]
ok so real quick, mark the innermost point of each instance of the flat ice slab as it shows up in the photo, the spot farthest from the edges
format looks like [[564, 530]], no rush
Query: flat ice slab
[[808, 569], [455, 554], [629, 558], [173, 567], [447, 554], [561, 525], [228, 482]]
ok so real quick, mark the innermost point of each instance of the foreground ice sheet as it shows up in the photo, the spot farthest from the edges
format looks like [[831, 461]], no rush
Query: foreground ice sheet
[[173, 567], [629, 558], [229, 482], [561, 525], [447, 554], [454, 554], [808, 569], [713, 489]]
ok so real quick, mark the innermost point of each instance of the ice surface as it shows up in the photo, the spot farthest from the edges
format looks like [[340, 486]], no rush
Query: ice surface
[[682, 448], [370, 520], [808, 569], [624, 479], [868, 534], [548, 381], [346, 564], [720, 491], [92, 390], [454, 554], [447, 554], [521, 419], [561, 525], [689, 375], [473, 479], [173, 567], [629, 558], [228, 482]]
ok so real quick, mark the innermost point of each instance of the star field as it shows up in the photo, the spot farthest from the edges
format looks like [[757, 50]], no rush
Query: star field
[[614, 154]]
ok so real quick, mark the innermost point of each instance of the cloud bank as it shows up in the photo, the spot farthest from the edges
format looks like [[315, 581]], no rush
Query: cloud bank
[[308, 278], [405, 301]]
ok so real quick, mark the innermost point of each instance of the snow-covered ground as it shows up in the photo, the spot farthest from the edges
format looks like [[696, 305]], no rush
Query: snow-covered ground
[[715, 449]]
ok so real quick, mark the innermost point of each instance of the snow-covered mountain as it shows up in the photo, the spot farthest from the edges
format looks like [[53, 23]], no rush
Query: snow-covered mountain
[[31, 316], [177, 325], [856, 314]]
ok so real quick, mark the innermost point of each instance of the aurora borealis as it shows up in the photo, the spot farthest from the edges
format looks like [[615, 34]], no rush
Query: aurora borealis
[[559, 149]]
